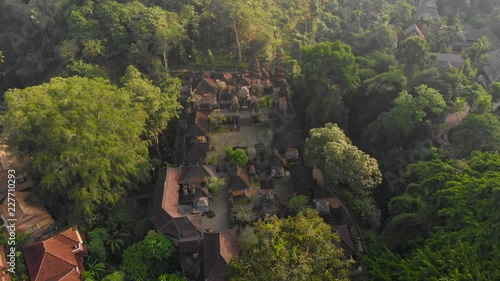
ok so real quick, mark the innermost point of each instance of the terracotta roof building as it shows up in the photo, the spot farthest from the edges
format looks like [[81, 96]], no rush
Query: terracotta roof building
[[4, 267], [206, 86], [413, 30], [219, 249], [239, 179], [58, 257], [32, 218], [172, 218], [197, 126]]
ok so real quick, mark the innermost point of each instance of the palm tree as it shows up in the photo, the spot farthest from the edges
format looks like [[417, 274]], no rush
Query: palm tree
[[115, 242], [96, 269]]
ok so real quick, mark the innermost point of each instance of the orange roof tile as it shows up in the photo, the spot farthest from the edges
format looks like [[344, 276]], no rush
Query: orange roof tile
[[55, 258]]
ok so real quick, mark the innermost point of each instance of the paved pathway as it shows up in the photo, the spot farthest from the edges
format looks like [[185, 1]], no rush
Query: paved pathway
[[220, 207]]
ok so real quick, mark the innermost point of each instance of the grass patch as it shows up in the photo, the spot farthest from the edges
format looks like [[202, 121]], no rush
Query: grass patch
[[221, 129]]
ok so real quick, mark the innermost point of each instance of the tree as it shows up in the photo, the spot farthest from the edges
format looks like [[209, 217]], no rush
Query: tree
[[408, 110], [147, 259], [329, 72], [241, 17], [215, 184], [476, 133], [477, 53], [495, 91], [441, 35], [237, 156], [297, 204], [346, 169], [460, 199], [97, 239], [81, 138], [171, 277], [94, 270], [295, 248], [115, 276], [115, 242], [245, 216], [161, 104], [413, 53], [342, 162], [216, 118]]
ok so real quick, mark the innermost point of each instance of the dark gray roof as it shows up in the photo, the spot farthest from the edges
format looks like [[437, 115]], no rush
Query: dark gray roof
[[427, 9], [492, 70], [197, 174], [474, 34], [197, 125], [266, 184], [302, 180], [286, 140], [195, 153], [445, 61]]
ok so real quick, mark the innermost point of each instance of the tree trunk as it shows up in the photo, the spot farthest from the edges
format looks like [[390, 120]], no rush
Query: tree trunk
[[165, 58], [157, 145], [237, 42]]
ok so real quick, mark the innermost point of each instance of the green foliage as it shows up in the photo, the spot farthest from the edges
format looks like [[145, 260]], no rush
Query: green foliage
[[295, 248], [171, 277], [460, 200], [96, 243], [245, 216], [83, 69], [342, 163], [215, 184], [381, 37], [345, 167], [413, 53], [495, 91], [477, 53], [82, 139], [297, 204], [115, 276], [451, 83], [386, 83], [237, 156], [441, 34], [405, 204], [142, 34], [147, 259], [216, 118], [94, 270], [476, 133], [161, 104], [329, 71], [408, 110]]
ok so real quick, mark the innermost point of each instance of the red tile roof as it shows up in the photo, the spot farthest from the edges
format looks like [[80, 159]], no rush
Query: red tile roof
[[220, 248], [170, 200], [206, 86], [198, 125], [58, 257], [4, 274]]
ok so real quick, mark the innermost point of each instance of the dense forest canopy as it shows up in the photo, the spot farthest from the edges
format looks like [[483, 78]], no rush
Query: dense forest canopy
[[397, 99]]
